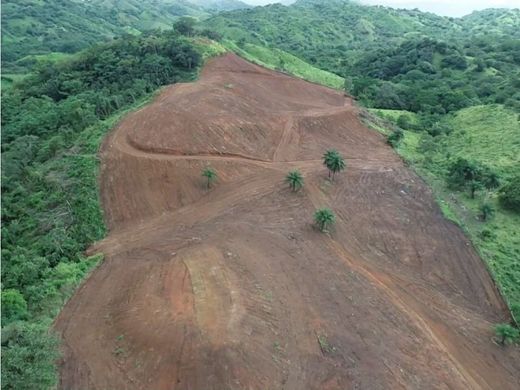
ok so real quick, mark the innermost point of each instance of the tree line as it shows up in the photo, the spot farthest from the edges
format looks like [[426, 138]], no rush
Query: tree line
[[52, 122]]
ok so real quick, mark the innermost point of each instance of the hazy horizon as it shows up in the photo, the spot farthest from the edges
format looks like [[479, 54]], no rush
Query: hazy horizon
[[440, 7]]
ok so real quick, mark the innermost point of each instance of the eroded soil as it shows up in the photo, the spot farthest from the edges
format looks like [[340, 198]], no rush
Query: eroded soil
[[232, 288]]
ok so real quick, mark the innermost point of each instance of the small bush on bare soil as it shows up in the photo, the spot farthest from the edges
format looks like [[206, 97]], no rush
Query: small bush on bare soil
[[507, 334], [210, 175]]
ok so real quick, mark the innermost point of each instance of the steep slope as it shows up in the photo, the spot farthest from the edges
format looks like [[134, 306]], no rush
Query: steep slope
[[233, 288]]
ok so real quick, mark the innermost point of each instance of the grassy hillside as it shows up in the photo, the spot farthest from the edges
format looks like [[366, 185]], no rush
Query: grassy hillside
[[220, 5], [488, 135], [279, 60], [494, 21]]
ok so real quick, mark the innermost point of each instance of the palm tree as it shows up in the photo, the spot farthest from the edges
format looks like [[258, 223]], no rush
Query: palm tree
[[337, 165], [295, 180], [210, 174], [333, 161], [323, 218], [328, 157]]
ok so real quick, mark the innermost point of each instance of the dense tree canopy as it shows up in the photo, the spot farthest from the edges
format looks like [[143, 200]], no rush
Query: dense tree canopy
[[52, 124]]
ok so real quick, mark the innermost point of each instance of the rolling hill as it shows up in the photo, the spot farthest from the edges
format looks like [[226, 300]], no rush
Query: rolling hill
[[391, 56], [38, 27], [448, 86]]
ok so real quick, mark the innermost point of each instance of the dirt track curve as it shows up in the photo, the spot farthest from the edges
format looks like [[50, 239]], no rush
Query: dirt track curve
[[232, 288]]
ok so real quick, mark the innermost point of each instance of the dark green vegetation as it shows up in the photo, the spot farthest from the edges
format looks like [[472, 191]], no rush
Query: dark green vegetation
[[506, 333], [295, 180], [35, 31], [334, 162], [510, 194], [395, 137], [399, 59], [323, 218], [52, 122], [210, 174], [464, 174]]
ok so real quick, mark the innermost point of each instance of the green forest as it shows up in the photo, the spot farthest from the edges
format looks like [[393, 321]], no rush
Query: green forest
[[53, 122], [35, 30], [446, 91]]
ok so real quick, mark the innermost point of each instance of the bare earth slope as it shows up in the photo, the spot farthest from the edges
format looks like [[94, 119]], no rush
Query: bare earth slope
[[232, 288]]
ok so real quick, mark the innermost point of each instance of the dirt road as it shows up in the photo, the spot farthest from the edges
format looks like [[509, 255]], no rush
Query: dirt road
[[232, 288]]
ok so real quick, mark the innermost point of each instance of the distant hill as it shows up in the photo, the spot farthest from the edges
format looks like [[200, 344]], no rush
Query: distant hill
[[495, 21], [36, 27], [322, 32], [394, 58], [221, 5]]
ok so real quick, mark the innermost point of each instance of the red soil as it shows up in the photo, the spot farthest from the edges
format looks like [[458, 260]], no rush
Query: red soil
[[232, 288]]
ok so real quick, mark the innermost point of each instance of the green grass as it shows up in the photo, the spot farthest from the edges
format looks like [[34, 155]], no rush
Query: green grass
[[54, 56], [207, 47], [325, 345], [393, 115], [489, 134], [279, 60]]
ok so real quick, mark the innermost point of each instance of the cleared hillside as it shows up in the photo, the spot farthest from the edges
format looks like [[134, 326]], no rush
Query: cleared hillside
[[233, 288]]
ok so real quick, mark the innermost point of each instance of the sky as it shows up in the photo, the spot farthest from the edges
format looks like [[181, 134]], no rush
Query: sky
[[440, 7]]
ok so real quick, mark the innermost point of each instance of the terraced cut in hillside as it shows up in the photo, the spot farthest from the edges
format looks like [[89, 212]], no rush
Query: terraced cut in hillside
[[232, 287]]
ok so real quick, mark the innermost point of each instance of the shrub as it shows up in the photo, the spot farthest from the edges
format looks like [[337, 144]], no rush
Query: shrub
[[14, 306], [29, 352], [507, 334], [464, 174], [486, 211], [487, 234], [403, 121], [509, 194], [395, 138]]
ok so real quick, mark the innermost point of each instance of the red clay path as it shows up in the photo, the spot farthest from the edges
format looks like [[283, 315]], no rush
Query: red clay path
[[232, 288]]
